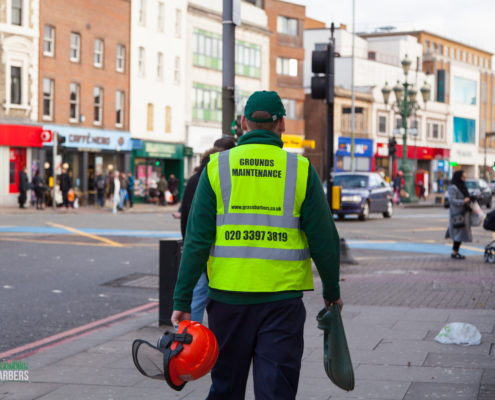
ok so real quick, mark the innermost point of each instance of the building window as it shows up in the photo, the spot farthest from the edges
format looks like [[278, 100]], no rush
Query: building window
[[49, 41], [15, 85], [290, 108], [120, 60], [382, 124], [98, 105], [360, 120], [446, 51], [98, 53], [168, 119], [440, 49], [287, 26], [150, 117], [248, 59], [141, 66], [207, 49], [427, 45], [476, 60], [47, 99], [74, 103], [435, 130], [178, 23], [75, 46], [142, 12], [464, 130], [414, 129], [287, 66], [177, 71], [159, 66], [16, 17], [398, 122], [161, 16], [464, 91], [119, 109], [207, 103]]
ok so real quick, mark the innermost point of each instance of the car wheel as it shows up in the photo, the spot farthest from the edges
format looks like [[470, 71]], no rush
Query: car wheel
[[365, 212], [390, 209]]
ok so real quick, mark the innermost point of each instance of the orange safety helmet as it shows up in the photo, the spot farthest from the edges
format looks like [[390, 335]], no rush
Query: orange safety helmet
[[185, 356]]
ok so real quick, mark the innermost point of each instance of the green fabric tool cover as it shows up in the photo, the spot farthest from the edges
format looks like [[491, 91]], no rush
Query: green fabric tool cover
[[336, 357]]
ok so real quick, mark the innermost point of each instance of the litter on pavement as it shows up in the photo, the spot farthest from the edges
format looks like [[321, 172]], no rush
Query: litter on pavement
[[459, 333]]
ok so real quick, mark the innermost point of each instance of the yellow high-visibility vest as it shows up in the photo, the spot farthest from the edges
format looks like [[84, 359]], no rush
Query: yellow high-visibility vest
[[259, 245]]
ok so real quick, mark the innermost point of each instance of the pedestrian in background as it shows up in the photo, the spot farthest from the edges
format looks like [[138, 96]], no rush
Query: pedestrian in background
[[173, 187], [123, 191], [23, 187], [200, 293], [258, 259], [130, 189], [398, 186], [39, 187], [65, 186], [162, 188], [101, 185], [459, 214], [114, 190]]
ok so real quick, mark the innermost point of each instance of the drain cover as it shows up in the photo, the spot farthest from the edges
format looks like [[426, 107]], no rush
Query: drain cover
[[136, 280]]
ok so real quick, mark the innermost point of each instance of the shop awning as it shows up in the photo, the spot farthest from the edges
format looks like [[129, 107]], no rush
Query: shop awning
[[20, 135]]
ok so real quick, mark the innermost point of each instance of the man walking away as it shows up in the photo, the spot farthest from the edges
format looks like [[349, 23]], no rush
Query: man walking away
[[65, 186], [258, 217], [39, 187], [130, 189], [23, 187], [114, 190], [100, 189], [162, 188], [123, 191]]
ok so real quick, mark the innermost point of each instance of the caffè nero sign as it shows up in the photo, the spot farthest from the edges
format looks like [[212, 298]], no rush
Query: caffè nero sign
[[97, 139]]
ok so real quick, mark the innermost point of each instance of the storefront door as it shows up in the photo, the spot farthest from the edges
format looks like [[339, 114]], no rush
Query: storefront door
[[17, 163]]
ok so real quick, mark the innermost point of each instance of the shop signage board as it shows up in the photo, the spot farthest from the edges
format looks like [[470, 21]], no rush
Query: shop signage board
[[160, 150], [362, 147], [92, 139]]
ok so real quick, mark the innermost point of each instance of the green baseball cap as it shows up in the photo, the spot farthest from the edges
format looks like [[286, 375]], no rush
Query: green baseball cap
[[264, 101]]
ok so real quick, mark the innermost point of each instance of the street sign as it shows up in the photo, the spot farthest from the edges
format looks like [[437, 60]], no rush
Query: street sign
[[236, 12], [398, 131], [412, 132]]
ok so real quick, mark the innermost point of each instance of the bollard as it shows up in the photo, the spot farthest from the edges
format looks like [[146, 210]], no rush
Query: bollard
[[169, 261], [345, 253]]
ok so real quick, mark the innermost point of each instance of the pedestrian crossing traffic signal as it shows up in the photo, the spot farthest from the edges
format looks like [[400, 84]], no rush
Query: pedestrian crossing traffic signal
[[322, 65], [392, 147]]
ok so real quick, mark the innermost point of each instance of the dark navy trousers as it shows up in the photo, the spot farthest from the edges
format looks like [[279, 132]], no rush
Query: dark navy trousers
[[270, 335]]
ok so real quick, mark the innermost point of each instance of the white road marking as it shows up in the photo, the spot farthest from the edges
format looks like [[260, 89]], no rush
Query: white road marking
[[22, 255], [56, 291], [102, 295], [7, 287]]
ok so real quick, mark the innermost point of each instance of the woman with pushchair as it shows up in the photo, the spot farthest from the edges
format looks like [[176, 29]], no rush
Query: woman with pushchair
[[459, 213]]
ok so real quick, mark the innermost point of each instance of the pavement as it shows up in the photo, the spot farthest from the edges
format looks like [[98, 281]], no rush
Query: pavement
[[392, 347]]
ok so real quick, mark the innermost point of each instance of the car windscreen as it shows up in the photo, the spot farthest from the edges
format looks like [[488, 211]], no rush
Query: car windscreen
[[351, 181], [472, 185]]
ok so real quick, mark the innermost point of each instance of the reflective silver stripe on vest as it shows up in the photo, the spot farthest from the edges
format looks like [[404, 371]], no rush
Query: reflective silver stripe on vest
[[262, 253], [281, 221], [278, 221], [224, 176], [290, 184]]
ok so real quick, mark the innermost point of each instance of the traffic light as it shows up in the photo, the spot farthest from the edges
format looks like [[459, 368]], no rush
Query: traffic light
[[392, 147], [322, 65], [493, 167], [60, 142]]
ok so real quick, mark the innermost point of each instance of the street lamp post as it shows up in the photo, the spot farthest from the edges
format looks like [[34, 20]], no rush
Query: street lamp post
[[405, 104]]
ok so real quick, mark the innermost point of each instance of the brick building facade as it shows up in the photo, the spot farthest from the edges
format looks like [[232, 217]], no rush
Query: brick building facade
[[286, 22], [84, 65]]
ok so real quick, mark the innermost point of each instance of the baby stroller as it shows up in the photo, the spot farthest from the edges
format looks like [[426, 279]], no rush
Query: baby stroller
[[489, 225]]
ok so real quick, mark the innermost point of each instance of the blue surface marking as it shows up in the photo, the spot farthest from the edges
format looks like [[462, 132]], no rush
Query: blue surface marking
[[411, 247]]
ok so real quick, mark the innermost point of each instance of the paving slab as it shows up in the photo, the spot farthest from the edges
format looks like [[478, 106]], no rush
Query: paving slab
[[413, 346], [448, 391], [487, 392], [25, 391], [488, 376], [419, 374], [85, 375], [475, 361], [421, 326]]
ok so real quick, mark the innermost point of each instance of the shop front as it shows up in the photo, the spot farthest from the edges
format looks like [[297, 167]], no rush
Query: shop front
[[151, 161], [430, 164], [363, 154], [17, 144], [88, 152]]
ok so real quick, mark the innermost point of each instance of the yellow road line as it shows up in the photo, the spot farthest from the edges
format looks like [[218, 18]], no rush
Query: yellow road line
[[15, 239], [428, 229], [89, 235], [473, 248]]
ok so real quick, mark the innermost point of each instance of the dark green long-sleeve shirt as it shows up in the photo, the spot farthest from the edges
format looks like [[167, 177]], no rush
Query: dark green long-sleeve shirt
[[316, 222]]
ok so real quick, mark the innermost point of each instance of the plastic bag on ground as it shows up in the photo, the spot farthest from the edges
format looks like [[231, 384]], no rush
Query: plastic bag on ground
[[459, 333]]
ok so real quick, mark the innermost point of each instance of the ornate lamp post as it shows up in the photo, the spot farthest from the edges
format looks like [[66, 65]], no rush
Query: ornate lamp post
[[405, 104]]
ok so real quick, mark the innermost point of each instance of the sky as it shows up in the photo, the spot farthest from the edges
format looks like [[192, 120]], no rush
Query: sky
[[467, 21]]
